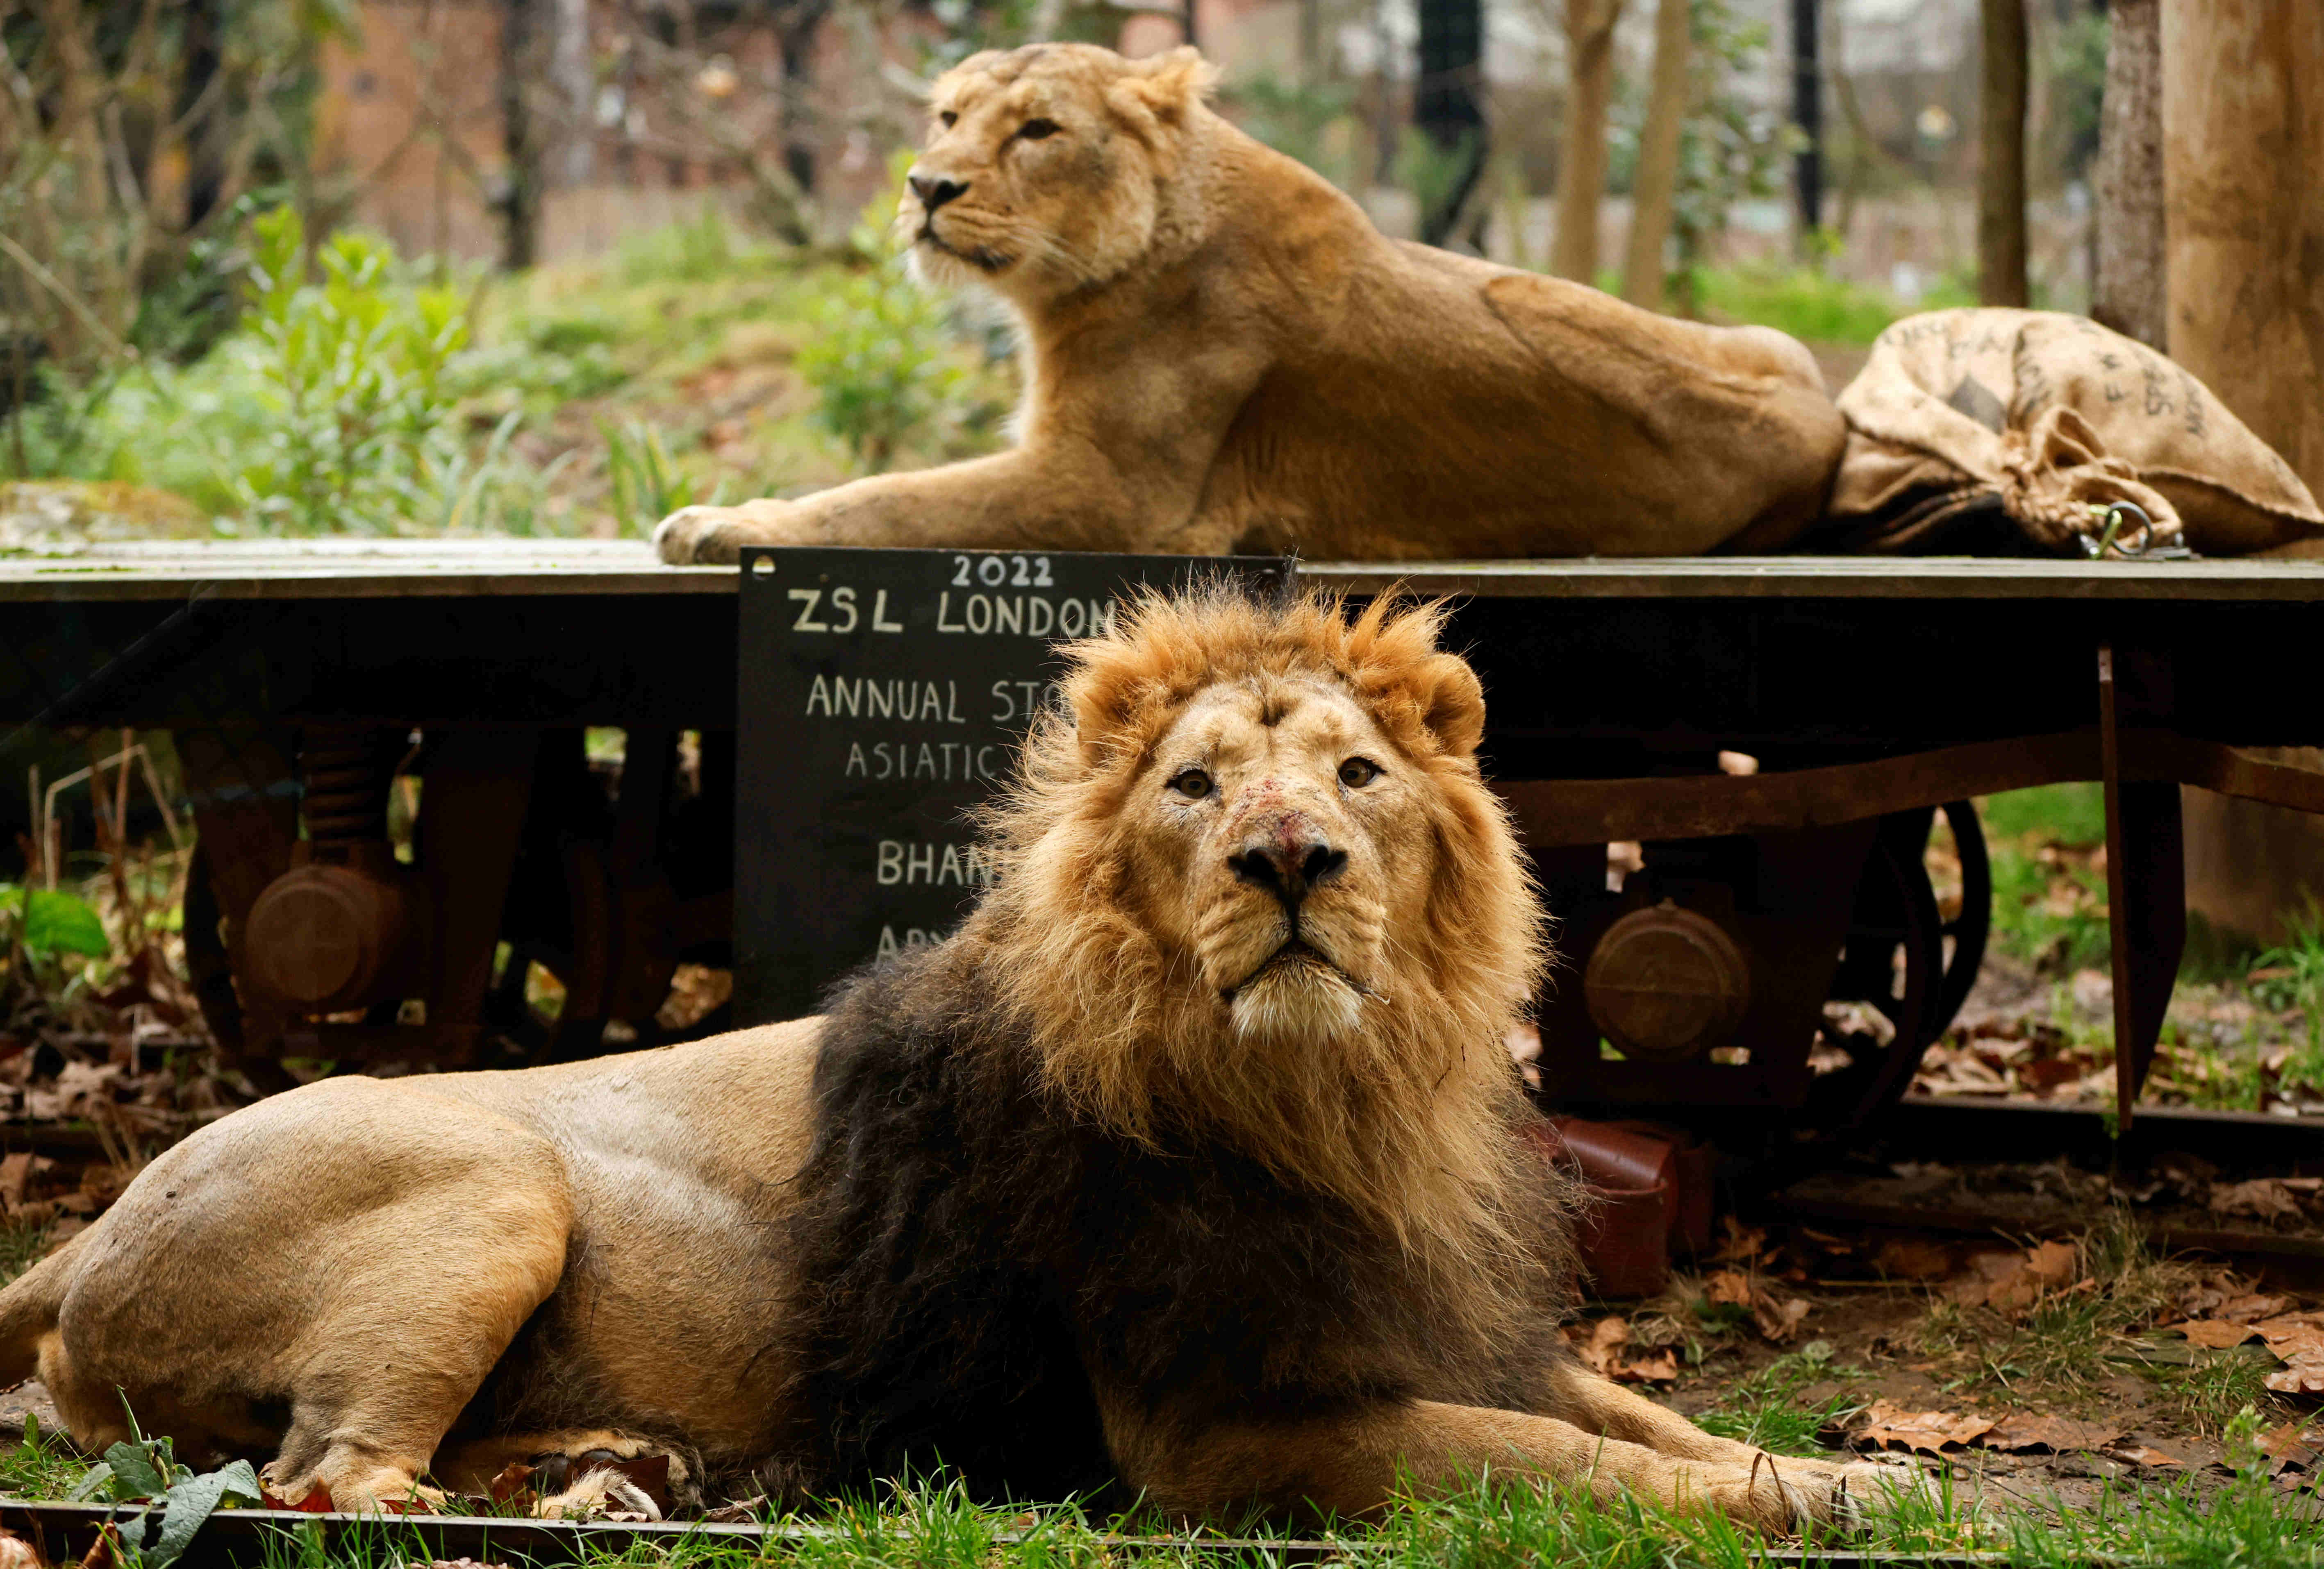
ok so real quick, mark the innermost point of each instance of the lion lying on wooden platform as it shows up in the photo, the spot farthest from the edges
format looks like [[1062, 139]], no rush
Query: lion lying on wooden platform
[[1220, 352], [1193, 1164]]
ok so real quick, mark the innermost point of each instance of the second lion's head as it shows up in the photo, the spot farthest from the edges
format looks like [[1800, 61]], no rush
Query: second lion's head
[[1255, 886], [1044, 167]]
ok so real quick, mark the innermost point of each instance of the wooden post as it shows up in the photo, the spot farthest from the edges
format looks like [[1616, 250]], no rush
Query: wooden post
[[2127, 293], [1656, 189], [2001, 157]]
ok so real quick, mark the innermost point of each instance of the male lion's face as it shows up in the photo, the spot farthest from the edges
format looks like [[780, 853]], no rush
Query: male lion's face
[[1278, 834], [1041, 171]]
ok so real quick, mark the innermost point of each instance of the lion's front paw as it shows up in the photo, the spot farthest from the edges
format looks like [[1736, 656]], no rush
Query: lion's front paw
[[1866, 1494], [595, 1474], [714, 536], [1845, 1497]]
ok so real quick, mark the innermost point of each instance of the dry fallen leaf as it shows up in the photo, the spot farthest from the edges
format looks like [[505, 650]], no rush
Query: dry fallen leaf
[[1778, 1321], [1658, 1367], [2021, 1430], [1888, 1426], [2014, 1280], [2265, 1199], [1914, 1258], [2140, 1455], [1730, 1286], [1987, 1273], [2252, 1308], [2290, 1445], [15, 1553], [1597, 1343], [2302, 1373], [2216, 1333], [744, 1511]]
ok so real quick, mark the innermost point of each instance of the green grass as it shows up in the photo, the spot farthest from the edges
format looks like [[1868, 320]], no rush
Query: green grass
[[1765, 1408], [2066, 815], [1488, 1523], [2204, 1397], [1810, 304], [20, 1247], [42, 1465]]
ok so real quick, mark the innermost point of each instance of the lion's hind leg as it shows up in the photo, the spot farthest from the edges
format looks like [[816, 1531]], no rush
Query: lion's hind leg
[[412, 1332]]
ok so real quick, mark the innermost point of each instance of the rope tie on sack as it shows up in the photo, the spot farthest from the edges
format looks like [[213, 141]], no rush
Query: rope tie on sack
[[2061, 485]]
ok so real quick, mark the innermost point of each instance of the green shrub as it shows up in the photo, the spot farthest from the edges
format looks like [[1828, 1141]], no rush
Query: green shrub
[[885, 362], [352, 371]]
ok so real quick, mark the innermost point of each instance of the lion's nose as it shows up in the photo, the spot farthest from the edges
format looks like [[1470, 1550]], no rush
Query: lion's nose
[[934, 190], [1288, 861]]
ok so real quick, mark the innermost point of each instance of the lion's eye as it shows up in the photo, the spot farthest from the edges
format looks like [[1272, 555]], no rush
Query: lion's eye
[[1357, 772], [947, 119], [1191, 782], [1035, 129]]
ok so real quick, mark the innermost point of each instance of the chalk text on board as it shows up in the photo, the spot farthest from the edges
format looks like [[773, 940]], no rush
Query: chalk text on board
[[945, 761], [914, 937], [963, 866], [895, 697], [839, 617], [1023, 615]]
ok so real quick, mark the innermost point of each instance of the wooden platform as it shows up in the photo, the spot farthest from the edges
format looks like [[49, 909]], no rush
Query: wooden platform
[[340, 568]]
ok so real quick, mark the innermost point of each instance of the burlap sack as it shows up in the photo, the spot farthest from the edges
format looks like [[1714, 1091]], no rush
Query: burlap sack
[[1961, 417]]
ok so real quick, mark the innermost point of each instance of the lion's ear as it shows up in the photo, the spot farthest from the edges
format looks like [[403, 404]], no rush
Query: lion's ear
[[1171, 84], [1452, 702]]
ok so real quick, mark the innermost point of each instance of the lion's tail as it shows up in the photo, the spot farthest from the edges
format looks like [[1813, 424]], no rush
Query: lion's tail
[[29, 1308]]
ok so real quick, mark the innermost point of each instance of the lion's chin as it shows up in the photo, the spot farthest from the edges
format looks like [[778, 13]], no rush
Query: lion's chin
[[1296, 995], [933, 251]]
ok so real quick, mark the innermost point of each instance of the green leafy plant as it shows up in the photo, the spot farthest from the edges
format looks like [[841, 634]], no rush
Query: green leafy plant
[[142, 1470], [884, 363], [647, 486], [352, 370], [51, 921], [2291, 975]]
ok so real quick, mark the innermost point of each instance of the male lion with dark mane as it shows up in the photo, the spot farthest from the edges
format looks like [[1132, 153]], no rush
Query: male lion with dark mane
[[1193, 1165], [1221, 352]]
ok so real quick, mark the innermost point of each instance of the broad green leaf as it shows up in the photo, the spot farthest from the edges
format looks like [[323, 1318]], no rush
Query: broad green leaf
[[96, 1480], [194, 1500], [134, 1474], [56, 921]]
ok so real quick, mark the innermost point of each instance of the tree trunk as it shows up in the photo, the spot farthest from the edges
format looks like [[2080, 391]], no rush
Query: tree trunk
[[522, 140], [2126, 293], [1582, 156], [2243, 160], [1444, 104], [1656, 189], [2001, 171], [1807, 112], [569, 69]]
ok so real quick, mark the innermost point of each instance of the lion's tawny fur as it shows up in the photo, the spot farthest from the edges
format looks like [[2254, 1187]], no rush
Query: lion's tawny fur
[[1041, 1202], [1218, 349], [1403, 1118]]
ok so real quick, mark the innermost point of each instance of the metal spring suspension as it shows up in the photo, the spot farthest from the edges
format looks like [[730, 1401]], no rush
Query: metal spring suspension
[[349, 770]]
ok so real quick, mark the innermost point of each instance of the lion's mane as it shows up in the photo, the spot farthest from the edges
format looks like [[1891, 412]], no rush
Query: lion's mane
[[1036, 1164]]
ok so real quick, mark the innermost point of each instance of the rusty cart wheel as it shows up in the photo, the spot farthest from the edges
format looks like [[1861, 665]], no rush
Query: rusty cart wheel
[[1893, 962], [1966, 930], [207, 965]]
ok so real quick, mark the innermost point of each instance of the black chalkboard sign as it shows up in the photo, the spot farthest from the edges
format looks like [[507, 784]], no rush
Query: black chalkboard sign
[[883, 696]]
